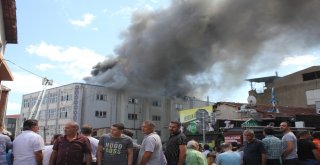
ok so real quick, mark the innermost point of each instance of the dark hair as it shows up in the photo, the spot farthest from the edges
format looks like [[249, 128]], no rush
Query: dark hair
[[86, 129], [120, 126], [128, 132], [54, 138], [235, 146], [268, 130], [28, 124], [206, 147], [211, 155], [316, 135], [287, 122], [303, 132], [176, 122]]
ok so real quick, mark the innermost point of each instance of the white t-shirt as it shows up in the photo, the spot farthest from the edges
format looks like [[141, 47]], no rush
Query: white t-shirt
[[94, 145], [24, 147], [46, 152], [152, 143]]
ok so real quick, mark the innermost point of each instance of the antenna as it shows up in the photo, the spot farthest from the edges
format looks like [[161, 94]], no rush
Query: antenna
[[252, 100]]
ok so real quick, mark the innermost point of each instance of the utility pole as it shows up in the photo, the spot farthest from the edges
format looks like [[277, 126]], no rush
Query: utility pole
[[135, 116], [203, 128]]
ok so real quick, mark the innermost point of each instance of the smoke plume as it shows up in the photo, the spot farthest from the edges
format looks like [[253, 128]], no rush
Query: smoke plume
[[196, 45]]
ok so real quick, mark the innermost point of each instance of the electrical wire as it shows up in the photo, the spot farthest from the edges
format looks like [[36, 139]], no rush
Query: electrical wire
[[20, 67]]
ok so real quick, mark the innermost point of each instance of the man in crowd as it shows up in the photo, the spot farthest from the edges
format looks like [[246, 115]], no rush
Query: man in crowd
[[151, 148], [206, 150], [289, 145], [307, 151], [27, 147], [273, 146], [176, 146], [254, 152], [86, 131], [136, 147], [5, 144], [228, 157], [72, 148], [316, 141], [115, 147], [46, 152], [194, 156]]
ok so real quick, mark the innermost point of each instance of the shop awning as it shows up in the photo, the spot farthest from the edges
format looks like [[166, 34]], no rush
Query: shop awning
[[250, 122]]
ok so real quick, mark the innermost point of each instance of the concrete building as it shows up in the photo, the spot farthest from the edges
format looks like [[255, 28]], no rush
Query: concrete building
[[299, 89], [101, 107], [8, 35], [11, 122]]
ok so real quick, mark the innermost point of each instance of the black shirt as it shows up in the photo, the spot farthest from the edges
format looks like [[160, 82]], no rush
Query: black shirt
[[252, 152], [305, 148], [172, 147]]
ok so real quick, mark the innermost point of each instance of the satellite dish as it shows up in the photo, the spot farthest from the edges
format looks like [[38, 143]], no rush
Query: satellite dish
[[252, 100]]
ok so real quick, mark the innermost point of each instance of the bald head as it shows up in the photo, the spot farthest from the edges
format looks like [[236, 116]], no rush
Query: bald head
[[71, 128]]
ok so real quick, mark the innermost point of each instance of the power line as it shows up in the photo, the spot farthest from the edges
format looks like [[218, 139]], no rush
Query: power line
[[20, 67]]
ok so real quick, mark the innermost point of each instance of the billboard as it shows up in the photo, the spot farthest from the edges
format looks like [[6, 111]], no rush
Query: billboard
[[196, 119]]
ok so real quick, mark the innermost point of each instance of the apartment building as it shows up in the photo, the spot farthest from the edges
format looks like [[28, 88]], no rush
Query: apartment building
[[101, 107]]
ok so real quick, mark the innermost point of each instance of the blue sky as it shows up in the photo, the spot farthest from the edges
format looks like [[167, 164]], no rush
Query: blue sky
[[63, 39]]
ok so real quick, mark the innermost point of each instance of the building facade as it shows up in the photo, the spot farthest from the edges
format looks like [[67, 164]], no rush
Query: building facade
[[101, 107], [299, 89], [8, 35], [11, 123]]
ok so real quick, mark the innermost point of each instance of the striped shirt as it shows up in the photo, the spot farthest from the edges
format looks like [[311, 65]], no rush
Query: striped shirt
[[272, 145]]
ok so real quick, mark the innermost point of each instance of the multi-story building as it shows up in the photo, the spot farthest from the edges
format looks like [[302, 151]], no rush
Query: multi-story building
[[101, 107], [11, 123], [8, 34], [299, 89]]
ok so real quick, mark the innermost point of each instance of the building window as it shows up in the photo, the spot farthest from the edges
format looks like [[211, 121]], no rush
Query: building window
[[45, 100], [53, 98], [311, 76], [101, 97], [156, 118], [63, 113], [178, 106], [52, 113], [132, 101], [25, 103], [156, 103], [66, 97], [101, 114], [42, 115], [132, 116]]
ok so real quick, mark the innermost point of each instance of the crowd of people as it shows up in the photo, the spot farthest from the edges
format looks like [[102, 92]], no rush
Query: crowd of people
[[78, 147]]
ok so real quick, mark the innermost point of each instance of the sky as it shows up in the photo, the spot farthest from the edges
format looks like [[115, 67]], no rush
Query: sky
[[63, 39]]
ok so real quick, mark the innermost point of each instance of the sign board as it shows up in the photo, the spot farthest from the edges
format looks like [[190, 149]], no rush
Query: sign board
[[191, 120], [232, 138], [188, 115]]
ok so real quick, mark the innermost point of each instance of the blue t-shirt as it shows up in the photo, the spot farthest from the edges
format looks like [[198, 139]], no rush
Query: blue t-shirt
[[229, 158]]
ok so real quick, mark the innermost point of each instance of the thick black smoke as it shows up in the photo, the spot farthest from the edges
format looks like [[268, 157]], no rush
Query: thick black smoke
[[197, 45]]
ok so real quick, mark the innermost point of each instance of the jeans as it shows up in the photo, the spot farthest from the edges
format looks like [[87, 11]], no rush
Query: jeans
[[308, 162], [294, 161], [273, 162]]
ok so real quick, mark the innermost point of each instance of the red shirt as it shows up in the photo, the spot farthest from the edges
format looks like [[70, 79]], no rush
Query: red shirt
[[317, 144], [71, 152]]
